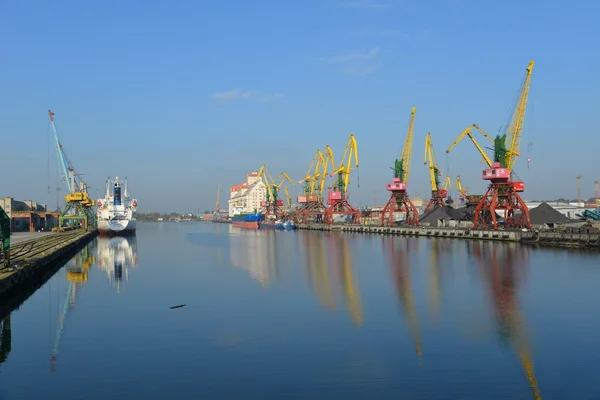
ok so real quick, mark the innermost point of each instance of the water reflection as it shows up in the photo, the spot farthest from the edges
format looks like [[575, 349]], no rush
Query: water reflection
[[328, 264], [341, 260], [117, 255], [315, 261], [254, 251], [5, 338], [77, 271], [396, 252], [502, 267]]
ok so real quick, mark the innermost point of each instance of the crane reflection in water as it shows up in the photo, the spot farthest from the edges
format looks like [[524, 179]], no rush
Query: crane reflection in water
[[396, 251], [328, 264], [77, 271], [501, 265], [116, 256]]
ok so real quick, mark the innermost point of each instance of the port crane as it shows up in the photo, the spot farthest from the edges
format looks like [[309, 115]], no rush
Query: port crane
[[288, 198], [273, 205], [78, 205], [399, 201], [311, 202], [337, 200], [438, 193], [462, 192], [503, 192], [217, 210]]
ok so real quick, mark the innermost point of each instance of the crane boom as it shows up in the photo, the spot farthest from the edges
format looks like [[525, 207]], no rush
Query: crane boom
[[313, 173], [515, 130], [64, 164], [329, 160], [467, 132], [434, 171], [403, 165], [343, 171], [265, 175]]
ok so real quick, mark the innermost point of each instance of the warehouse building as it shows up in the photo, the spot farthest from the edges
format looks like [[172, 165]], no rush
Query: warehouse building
[[28, 215]]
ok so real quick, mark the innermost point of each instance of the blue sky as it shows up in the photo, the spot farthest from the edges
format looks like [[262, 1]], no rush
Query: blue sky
[[182, 95]]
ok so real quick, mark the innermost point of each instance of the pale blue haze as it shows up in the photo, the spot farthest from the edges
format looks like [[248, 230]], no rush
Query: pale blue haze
[[131, 84]]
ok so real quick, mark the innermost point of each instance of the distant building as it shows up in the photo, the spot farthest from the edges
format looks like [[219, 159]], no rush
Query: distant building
[[247, 196], [28, 215]]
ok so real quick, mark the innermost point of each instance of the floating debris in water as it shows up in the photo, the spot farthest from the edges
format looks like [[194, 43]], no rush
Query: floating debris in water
[[179, 306]]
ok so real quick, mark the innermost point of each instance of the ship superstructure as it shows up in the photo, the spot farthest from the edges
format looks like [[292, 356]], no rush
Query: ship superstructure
[[116, 212]]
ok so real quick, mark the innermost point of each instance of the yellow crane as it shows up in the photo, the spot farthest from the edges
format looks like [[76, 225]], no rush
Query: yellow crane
[[462, 192], [467, 132], [338, 196], [78, 205], [265, 175], [311, 177], [438, 194], [503, 193], [288, 198], [311, 203], [399, 201], [272, 205]]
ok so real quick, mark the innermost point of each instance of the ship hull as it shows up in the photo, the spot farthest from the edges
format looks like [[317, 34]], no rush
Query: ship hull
[[278, 226], [121, 227], [245, 224]]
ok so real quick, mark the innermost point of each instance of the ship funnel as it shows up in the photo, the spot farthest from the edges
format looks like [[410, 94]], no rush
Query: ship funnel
[[117, 195]]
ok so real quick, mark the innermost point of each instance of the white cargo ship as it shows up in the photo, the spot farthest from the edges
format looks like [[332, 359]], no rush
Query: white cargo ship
[[116, 211]]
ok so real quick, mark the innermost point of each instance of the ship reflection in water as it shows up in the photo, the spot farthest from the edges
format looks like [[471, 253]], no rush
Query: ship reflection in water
[[116, 256]]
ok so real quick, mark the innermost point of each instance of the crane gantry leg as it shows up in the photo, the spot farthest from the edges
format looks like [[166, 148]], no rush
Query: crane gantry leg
[[502, 196], [310, 212], [340, 207], [399, 202], [438, 199]]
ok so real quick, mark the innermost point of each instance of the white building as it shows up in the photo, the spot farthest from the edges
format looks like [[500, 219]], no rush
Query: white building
[[246, 197]]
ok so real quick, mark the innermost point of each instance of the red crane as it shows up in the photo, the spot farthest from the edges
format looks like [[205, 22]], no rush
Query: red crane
[[399, 201], [503, 192]]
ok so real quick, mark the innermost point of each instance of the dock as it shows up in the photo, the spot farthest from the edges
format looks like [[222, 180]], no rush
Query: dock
[[33, 256], [586, 239]]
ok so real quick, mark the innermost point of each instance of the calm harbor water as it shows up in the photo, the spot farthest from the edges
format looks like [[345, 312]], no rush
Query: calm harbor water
[[306, 315]]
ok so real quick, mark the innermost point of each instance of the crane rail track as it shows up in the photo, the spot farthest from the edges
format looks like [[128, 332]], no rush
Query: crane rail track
[[35, 247]]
